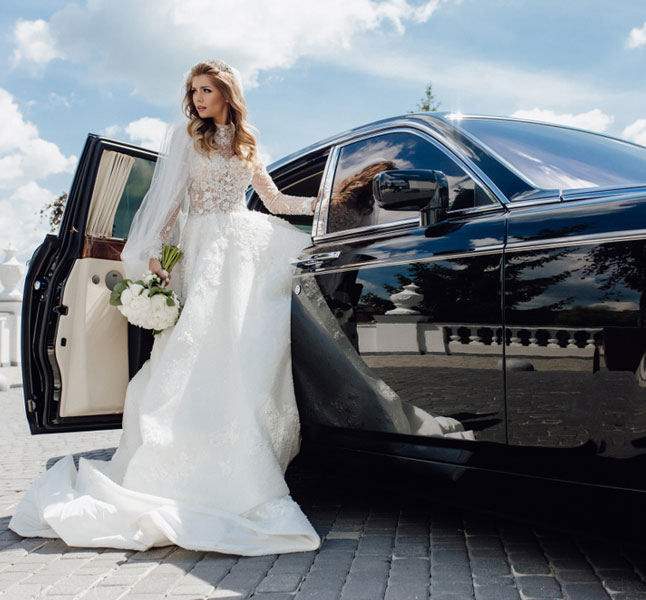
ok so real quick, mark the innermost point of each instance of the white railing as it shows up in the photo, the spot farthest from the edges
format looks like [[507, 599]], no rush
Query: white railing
[[411, 333]]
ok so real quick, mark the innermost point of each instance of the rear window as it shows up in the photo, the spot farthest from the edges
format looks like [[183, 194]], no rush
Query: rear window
[[552, 157]]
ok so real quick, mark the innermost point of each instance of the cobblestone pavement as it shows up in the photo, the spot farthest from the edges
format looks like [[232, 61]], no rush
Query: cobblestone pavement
[[376, 545]]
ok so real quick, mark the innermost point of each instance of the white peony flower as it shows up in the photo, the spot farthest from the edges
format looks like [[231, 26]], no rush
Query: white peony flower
[[136, 289], [126, 296]]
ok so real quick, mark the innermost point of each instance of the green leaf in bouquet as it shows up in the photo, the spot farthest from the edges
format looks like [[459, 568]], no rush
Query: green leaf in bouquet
[[115, 295]]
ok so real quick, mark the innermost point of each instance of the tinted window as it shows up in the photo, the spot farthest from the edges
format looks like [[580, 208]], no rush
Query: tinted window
[[551, 157], [136, 187], [352, 204]]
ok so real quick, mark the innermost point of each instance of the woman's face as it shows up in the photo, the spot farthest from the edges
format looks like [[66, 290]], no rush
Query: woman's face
[[207, 99]]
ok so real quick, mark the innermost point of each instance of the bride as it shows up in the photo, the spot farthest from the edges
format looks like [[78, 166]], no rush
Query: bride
[[210, 420]]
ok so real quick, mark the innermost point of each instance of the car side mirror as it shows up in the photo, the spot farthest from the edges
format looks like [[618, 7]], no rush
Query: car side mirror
[[425, 190]]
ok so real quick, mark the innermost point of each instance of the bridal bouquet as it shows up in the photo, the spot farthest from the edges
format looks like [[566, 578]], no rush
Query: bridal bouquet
[[145, 302]]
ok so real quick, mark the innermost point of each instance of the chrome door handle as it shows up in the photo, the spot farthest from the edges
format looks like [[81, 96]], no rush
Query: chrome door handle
[[317, 259]]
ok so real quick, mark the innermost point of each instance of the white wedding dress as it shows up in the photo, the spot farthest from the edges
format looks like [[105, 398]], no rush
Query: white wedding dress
[[210, 421]]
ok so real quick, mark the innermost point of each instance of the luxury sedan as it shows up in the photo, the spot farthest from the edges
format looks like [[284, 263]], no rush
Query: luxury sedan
[[473, 298]]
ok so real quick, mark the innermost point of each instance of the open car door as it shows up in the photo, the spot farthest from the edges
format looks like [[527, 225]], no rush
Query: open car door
[[78, 351]]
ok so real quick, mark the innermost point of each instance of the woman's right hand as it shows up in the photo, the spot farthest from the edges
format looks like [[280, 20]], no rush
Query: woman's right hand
[[155, 266]]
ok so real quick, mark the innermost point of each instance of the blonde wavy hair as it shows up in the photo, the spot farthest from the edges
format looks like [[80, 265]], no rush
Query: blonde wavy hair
[[203, 130]]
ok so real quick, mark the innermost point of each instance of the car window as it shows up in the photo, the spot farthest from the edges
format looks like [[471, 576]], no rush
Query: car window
[[136, 187], [352, 204], [552, 157]]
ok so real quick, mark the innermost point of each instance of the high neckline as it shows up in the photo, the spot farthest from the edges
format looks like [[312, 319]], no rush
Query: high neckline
[[223, 135]]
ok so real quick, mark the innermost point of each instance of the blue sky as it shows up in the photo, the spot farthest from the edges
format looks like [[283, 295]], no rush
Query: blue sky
[[311, 69]]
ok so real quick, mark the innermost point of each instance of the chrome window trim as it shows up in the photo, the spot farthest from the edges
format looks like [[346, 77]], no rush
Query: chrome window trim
[[484, 251], [499, 201], [325, 190], [388, 230], [589, 196], [577, 240]]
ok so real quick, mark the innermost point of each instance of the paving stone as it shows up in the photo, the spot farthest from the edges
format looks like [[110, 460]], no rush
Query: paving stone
[[577, 576], [280, 582], [269, 596], [530, 567], [632, 585], [453, 555], [363, 589], [406, 591], [22, 591], [155, 584], [74, 584], [584, 591], [451, 571], [463, 588], [496, 592], [576, 562], [104, 593], [539, 586]]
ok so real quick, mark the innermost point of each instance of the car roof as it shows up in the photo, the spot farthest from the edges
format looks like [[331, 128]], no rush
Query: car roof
[[443, 124]]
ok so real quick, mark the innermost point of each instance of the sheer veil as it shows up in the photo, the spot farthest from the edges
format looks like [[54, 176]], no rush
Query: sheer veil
[[161, 204], [163, 210]]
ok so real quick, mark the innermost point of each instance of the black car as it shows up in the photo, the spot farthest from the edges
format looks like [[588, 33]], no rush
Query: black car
[[474, 297]]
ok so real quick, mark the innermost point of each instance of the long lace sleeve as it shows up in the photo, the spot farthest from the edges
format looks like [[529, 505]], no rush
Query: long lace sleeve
[[166, 230], [277, 202]]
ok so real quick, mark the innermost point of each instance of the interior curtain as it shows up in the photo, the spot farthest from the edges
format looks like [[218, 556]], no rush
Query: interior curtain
[[111, 179]]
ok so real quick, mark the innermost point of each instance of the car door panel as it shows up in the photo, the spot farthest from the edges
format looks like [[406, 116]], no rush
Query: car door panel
[[397, 329], [575, 276], [91, 342], [77, 349]]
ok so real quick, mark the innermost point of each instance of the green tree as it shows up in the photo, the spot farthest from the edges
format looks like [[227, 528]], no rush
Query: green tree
[[427, 103], [53, 211]]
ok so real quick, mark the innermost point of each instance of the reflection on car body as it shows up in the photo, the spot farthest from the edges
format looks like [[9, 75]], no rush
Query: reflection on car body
[[473, 297]]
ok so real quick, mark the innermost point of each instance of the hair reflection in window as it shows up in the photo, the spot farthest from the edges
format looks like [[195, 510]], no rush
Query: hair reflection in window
[[352, 204]]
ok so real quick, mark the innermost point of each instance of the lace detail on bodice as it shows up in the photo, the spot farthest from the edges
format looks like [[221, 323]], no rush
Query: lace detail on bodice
[[218, 181]]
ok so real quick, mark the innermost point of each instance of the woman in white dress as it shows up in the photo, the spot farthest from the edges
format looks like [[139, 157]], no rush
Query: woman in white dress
[[210, 421]]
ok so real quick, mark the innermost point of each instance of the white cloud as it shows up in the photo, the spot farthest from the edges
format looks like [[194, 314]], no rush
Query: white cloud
[[636, 132], [147, 132], [149, 44], [111, 131], [35, 46], [25, 158], [637, 37], [20, 222], [24, 155], [494, 84], [593, 120]]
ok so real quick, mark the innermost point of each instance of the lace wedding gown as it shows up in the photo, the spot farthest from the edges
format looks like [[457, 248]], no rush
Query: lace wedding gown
[[210, 421]]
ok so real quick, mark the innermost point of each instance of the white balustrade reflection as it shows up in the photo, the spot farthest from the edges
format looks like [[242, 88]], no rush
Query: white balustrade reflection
[[413, 333]]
